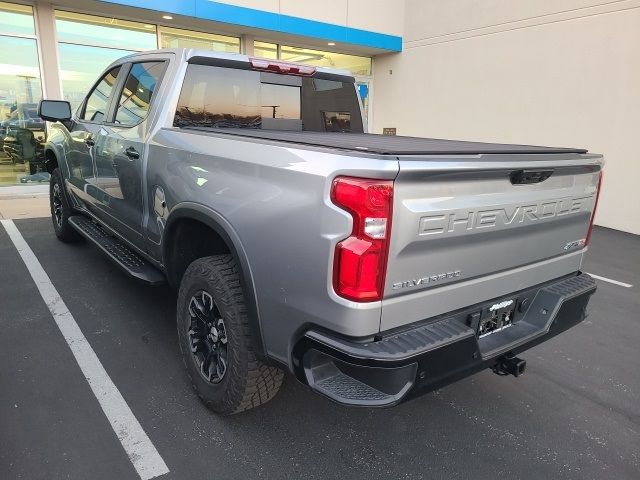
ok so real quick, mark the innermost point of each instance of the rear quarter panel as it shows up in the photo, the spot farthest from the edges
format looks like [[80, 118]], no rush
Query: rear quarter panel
[[276, 199]]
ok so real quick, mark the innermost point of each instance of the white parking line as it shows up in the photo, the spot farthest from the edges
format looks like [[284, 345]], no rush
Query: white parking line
[[615, 282], [143, 455]]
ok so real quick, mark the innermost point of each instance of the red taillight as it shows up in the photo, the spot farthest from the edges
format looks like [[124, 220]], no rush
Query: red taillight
[[593, 212], [360, 261], [281, 67]]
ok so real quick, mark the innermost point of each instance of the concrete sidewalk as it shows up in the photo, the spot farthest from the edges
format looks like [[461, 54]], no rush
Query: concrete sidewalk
[[29, 201]]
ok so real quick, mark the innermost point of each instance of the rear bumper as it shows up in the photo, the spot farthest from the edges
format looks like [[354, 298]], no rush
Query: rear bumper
[[405, 363]]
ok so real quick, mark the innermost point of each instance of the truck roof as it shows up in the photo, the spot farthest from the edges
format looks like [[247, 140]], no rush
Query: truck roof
[[187, 54]]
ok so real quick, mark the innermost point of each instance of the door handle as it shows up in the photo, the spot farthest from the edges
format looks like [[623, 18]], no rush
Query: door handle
[[90, 142], [132, 153]]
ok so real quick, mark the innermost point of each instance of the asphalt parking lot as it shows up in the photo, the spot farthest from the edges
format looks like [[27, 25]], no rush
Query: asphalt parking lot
[[575, 414]]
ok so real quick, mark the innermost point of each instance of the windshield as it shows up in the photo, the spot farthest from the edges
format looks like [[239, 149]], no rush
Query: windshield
[[219, 97]]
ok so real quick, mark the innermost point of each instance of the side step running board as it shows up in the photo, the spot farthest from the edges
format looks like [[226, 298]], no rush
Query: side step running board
[[119, 252]]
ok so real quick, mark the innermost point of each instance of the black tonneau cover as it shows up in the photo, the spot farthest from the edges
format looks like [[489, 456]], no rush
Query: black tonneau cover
[[387, 144]]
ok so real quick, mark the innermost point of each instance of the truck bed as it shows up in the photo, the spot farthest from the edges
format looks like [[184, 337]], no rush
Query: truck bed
[[387, 144]]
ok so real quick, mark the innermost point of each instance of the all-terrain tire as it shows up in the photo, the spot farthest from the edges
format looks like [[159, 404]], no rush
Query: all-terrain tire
[[61, 209], [247, 381]]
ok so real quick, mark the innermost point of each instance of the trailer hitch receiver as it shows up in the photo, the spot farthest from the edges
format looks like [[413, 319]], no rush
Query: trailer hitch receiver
[[510, 365]]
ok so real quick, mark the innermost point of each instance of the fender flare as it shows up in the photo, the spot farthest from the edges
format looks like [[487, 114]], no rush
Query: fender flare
[[55, 150], [58, 151], [222, 227]]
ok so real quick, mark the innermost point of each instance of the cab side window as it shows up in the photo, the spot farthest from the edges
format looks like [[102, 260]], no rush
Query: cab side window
[[95, 108], [134, 102]]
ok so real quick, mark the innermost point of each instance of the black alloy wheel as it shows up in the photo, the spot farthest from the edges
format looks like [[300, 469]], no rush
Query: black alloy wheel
[[61, 209], [208, 337], [57, 206]]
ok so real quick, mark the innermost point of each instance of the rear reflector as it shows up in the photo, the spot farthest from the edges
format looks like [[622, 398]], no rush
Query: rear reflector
[[360, 261], [595, 206], [281, 67]]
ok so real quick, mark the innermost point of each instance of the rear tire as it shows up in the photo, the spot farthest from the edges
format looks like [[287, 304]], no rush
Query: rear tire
[[60, 209], [216, 341]]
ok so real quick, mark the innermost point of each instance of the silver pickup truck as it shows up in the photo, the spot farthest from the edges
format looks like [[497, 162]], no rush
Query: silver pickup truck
[[374, 268]]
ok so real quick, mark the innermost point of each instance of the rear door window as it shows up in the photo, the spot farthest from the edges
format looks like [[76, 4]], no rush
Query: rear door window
[[219, 97], [135, 99]]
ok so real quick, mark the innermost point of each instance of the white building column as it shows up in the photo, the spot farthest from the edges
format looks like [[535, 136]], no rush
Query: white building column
[[246, 45], [48, 51]]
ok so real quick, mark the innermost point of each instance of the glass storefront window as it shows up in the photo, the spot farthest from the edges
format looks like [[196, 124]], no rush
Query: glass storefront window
[[87, 44], [16, 19], [19, 71], [176, 38], [356, 65], [80, 67], [105, 32], [265, 50], [22, 133]]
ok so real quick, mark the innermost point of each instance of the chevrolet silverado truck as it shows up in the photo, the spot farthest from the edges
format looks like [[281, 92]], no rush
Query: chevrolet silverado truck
[[373, 268]]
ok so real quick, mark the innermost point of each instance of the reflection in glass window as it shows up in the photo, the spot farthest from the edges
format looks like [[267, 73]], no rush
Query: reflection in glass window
[[280, 101], [16, 19], [106, 32], [337, 121], [265, 50], [20, 72], [322, 85], [217, 97], [80, 67], [134, 102], [330, 106], [96, 107], [22, 133], [363, 90], [176, 38], [356, 65]]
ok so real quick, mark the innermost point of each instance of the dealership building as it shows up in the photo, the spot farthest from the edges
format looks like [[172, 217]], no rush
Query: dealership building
[[562, 73]]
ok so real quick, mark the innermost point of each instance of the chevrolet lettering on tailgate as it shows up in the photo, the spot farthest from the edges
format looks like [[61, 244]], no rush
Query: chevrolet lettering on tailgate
[[501, 217]]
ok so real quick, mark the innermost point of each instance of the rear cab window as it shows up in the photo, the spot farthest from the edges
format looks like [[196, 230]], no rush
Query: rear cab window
[[222, 97]]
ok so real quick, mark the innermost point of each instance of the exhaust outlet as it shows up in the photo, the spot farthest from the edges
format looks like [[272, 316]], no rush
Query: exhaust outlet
[[510, 365]]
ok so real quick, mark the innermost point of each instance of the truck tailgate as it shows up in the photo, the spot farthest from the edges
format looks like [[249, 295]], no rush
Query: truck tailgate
[[466, 229]]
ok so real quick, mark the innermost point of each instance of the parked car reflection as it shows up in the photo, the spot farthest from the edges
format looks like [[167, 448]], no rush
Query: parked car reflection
[[23, 135]]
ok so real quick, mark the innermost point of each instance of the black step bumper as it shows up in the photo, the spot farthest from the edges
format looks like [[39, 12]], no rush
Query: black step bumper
[[403, 364]]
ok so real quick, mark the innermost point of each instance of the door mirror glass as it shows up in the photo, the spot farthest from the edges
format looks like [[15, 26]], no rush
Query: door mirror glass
[[54, 110]]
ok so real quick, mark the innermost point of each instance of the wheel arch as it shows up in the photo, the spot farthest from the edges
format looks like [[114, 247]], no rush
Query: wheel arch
[[53, 158], [50, 160], [222, 229]]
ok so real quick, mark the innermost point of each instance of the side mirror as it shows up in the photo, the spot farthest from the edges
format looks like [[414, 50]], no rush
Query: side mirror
[[54, 110]]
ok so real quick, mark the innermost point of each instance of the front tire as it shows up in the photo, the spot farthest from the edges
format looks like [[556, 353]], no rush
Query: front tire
[[216, 341], [60, 209]]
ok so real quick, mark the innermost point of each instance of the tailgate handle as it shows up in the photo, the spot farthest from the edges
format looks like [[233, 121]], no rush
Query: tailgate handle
[[525, 177]]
